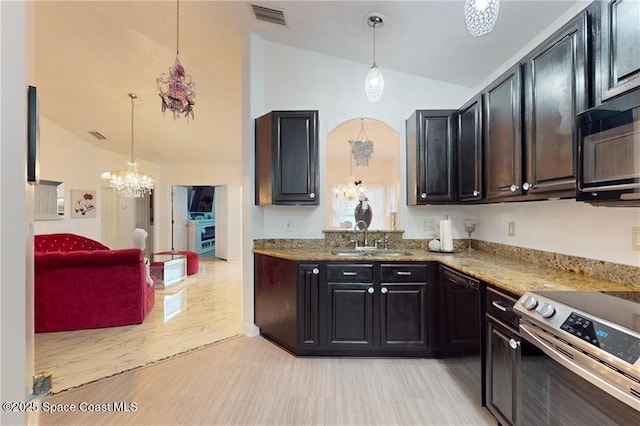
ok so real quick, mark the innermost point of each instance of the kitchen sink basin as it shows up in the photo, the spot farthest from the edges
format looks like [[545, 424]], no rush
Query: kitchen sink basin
[[370, 252]]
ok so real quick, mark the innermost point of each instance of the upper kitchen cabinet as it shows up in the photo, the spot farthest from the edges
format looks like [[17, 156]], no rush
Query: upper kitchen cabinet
[[469, 143], [430, 160], [619, 47], [287, 158], [503, 135], [556, 89]]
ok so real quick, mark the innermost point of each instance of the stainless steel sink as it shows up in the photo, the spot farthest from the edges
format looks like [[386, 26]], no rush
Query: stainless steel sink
[[347, 253]]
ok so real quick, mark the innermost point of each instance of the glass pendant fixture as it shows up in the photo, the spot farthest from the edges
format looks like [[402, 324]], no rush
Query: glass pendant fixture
[[481, 16], [361, 147], [177, 90], [131, 183], [374, 82]]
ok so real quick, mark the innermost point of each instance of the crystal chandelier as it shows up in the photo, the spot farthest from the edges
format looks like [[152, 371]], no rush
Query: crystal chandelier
[[131, 183], [374, 82], [177, 91], [481, 16], [361, 148]]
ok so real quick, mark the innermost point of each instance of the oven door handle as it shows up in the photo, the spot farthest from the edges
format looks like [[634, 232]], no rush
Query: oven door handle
[[576, 368]]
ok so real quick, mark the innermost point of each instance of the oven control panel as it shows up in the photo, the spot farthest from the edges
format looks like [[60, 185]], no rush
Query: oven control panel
[[609, 339]]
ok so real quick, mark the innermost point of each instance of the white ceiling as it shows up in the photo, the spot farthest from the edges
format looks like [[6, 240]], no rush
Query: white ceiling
[[89, 55]]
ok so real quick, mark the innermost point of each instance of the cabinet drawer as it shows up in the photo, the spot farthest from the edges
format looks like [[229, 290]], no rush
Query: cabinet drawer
[[500, 306], [454, 277], [350, 272], [403, 273]]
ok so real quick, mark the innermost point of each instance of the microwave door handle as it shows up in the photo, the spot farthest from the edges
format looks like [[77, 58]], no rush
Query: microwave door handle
[[572, 366]]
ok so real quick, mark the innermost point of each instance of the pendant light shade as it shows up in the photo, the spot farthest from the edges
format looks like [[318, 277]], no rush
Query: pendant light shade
[[481, 16], [374, 82]]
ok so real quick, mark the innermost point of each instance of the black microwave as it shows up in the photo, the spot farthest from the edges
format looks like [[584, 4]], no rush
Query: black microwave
[[609, 152]]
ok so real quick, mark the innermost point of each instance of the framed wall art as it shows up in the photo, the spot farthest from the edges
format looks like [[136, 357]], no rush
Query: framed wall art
[[83, 203]]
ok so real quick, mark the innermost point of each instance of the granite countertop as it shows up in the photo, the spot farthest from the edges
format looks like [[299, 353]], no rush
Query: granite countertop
[[509, 274]]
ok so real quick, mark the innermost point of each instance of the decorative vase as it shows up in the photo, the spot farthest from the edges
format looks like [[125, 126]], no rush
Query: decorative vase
[[363, 213]]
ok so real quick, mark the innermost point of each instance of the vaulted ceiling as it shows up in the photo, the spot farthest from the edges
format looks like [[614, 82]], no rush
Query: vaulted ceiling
[[89, 54]]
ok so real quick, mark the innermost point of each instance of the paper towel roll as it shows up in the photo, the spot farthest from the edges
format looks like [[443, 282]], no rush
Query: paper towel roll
[[446, 236]]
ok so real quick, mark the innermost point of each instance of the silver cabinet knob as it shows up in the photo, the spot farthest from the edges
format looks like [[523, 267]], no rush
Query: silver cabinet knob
[[423, 195], [384, 290], [526, 186], [315, 271], [513, 188], [514, 344], [312, 195], [370, 290], [476, 193]]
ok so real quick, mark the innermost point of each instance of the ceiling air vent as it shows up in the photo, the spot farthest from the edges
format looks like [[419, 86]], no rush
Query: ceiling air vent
[[270, 15], [97, 135]]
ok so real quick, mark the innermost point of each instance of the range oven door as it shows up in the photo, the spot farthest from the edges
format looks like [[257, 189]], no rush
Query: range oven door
[[609, 152], [552, 391]]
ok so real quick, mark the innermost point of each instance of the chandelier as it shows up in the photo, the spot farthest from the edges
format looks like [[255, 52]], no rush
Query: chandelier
[[176, 90], [481, 16], [131, 183], [374, 82], [361, 148]]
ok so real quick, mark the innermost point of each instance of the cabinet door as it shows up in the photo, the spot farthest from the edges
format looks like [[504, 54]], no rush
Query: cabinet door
[[503, 135], [403, 316], [309, 277], [502, 374], [286, 158], [350, 315], [430, 161], [556, 90], [470, 150], [619, 52]]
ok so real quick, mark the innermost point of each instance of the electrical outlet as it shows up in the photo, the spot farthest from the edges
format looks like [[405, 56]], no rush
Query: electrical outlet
[[635, 238], [288, 226], [512, 229], [429, 224]]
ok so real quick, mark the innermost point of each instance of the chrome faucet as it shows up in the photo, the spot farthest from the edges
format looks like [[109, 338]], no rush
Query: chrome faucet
[[366, 231]]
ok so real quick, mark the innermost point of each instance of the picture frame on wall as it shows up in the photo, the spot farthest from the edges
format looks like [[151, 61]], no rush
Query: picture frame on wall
[[83, 203], [33, 135]]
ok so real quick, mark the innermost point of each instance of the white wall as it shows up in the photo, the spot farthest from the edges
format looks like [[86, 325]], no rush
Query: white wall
[[16, 211]]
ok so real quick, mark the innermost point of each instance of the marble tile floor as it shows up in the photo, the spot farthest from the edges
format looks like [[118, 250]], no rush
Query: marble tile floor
[[203, 309]]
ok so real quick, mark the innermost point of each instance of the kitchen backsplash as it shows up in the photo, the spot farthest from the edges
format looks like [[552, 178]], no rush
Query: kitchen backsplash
[[616, 272]]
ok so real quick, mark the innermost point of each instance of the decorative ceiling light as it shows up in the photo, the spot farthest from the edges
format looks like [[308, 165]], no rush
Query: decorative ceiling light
[[374, 82], [177, 91], [361, 147], [131, 183], [481, 16]]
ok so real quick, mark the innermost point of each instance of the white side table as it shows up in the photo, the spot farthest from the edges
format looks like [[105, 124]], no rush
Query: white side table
[[168, 269]]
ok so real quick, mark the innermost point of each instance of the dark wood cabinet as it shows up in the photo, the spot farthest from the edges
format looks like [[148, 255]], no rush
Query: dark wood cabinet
[[286, 144], [461, 317], [430, 157], [502, 130], [469, 153], [556, 82], [502, 365], [619, 52], [309, 278], [349, 314]]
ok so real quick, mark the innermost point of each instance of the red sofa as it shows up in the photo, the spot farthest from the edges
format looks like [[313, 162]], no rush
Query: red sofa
[[82, 284]]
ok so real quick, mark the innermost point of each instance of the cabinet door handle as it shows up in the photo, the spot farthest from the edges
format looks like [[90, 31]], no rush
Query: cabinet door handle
[[404, 273], [476, 193], [312, 195], [473, 285], [514, 344], [513, 188], [370, 290], [423, 195], [315, 271], [527, 186], [499, 306], [384, 290], [349, 274]]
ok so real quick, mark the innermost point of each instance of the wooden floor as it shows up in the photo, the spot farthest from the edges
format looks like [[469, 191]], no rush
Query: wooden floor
[[202, 309], [250, 381]]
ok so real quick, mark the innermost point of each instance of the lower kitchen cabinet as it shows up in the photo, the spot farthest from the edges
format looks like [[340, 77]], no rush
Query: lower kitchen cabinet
[[343, 308]]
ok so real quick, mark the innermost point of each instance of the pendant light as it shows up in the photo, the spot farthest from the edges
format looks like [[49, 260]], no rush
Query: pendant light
[[374, 82], [131, 183], [481, 16], [176, 90]]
